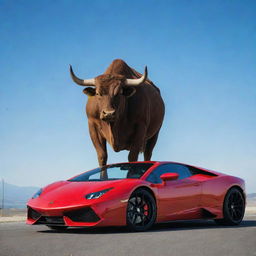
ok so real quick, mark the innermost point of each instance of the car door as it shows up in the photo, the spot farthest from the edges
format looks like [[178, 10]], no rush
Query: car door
[[177, 199]]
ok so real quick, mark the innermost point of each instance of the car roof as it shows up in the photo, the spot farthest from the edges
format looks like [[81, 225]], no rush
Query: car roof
[[156, 163]]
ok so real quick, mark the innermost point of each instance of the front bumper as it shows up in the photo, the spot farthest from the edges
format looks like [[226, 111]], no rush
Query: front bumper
[[103, 214], [81, 217]]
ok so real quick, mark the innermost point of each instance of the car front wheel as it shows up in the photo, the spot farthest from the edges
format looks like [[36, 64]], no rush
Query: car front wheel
[[141, 210]]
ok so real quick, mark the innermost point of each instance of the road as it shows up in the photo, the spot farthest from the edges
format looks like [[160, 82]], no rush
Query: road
[[199, 238]]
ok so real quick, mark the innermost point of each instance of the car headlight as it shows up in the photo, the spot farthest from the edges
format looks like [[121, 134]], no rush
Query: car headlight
[[38, 193], [98, 194]]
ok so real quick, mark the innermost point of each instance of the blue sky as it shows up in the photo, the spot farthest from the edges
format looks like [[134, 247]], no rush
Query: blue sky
[[201, 54]]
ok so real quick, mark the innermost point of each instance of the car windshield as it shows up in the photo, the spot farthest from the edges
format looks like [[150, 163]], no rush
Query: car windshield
[[114, 172]]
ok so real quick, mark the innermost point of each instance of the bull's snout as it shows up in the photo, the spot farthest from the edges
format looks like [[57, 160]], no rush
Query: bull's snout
[[108, 115]]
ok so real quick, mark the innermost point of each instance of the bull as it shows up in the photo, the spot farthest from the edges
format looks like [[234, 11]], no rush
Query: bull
[[125, 109]]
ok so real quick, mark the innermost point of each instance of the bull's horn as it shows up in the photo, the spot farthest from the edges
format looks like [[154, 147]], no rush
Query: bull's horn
[[136, 82], [86, 82]]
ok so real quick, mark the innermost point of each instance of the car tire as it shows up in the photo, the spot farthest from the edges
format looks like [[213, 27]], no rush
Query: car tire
[[58, 228], [141, 211], [233, 208]]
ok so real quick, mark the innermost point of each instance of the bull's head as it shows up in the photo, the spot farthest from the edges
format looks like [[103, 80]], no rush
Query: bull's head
[[110, 92]]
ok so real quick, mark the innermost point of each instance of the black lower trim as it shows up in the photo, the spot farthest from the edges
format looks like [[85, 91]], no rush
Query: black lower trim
[[49, 220], [207, 214]]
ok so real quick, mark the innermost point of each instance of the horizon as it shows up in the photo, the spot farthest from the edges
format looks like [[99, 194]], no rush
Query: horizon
[[201, 55]]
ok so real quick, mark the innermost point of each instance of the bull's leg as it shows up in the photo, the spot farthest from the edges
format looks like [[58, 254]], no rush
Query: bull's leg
[[99, 143], [133, 155], [137, 144], [150, 146]]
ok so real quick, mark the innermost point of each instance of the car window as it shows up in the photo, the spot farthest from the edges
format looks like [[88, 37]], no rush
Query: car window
[[182, 170], [114, 172]]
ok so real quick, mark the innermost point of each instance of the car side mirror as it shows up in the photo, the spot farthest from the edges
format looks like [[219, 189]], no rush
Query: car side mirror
[[169, 176]]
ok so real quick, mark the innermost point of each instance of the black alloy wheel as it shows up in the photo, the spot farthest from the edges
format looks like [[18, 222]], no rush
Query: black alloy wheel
[[233, 208], [141, 210], [58, 228]]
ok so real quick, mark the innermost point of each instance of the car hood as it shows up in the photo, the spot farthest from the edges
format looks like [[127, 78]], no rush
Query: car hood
[[64, 193]]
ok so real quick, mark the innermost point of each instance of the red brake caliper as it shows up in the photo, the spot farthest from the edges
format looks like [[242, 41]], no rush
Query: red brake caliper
[[146, 210]]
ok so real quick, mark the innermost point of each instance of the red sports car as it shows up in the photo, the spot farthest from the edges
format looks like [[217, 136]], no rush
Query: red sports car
[[138, 195]]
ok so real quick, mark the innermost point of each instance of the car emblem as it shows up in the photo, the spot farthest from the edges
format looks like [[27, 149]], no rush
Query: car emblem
[[51, 202]]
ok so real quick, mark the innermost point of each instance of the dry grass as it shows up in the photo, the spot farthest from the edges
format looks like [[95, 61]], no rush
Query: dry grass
[[13, 219]]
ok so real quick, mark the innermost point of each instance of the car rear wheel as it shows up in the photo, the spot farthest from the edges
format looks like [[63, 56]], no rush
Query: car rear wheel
[[233, 208], [58, 228], [141, 210]]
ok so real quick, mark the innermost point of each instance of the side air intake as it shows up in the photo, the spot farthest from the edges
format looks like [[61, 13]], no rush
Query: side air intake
[[32, 214]]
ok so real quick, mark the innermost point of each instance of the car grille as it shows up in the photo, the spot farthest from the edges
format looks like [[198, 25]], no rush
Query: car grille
[[83, 215]]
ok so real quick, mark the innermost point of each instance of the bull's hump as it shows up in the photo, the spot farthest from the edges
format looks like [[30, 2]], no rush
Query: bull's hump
[[119, 67], [119, 63]]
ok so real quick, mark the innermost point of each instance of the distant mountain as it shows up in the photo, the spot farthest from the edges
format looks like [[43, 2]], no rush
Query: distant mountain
[[251, 196], [16, 196]]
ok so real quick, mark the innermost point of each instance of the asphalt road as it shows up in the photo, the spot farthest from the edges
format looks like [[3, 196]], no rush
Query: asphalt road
[[175, 239]]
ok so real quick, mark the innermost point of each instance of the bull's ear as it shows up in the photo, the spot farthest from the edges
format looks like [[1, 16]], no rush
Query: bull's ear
[[89, 91], [128, 91]]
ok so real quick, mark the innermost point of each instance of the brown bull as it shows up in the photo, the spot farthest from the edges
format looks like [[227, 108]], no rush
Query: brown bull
[[125, 109]]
